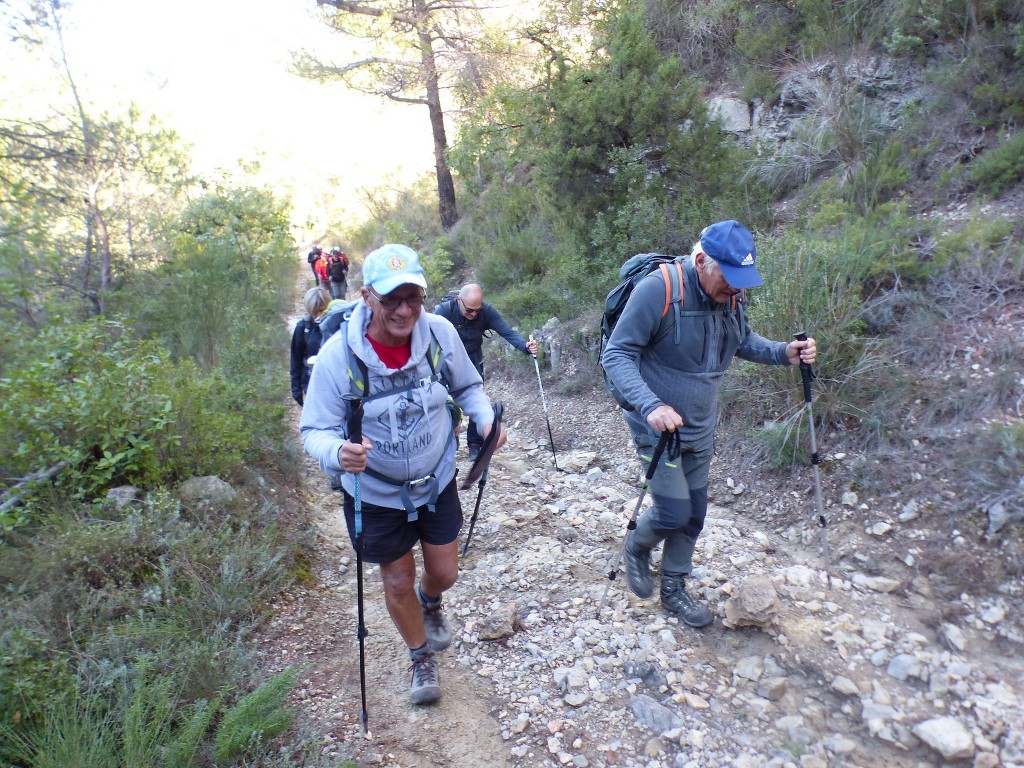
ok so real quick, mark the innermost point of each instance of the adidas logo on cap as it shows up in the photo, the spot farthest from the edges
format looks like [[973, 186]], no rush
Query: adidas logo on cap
[[748, 260]]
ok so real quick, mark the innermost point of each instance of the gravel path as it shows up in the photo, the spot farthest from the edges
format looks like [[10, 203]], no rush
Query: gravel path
[[873, 671]]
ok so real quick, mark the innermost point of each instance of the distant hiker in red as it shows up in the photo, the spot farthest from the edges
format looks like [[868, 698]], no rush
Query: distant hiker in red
[[337, 270], [320, 268]]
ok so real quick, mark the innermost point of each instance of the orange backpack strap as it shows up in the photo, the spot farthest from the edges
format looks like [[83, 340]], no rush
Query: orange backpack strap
[[670, 284]]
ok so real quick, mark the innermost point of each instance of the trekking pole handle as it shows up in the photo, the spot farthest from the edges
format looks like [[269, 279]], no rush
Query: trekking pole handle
[[533, 354], [658, 450], [805, 369], [355, 419]]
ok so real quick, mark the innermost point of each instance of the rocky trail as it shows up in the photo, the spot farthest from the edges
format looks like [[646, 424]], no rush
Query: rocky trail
[[910, 657], [875, 670]]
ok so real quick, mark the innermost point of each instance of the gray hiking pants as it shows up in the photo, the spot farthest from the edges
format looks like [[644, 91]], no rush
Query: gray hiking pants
[[679, 490]]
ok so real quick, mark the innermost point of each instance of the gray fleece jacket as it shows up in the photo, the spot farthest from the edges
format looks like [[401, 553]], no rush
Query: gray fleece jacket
[[410, 432], [687, 375]]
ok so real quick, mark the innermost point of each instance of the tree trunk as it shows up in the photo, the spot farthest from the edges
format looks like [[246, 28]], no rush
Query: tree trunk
[[446, 206]]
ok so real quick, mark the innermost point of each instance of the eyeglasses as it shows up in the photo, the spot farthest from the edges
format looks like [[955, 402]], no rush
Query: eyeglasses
[[469, 310], [391, 303]]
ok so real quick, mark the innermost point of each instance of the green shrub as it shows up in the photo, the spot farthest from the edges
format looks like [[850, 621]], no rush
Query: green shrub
[[33, 675], [1001, 167], [993, 469], [91, 400], [257, 718], [977, 242], [816, 282], [143, 723]]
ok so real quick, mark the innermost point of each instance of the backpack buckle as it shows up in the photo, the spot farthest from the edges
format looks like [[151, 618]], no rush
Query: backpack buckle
[[419, 481]]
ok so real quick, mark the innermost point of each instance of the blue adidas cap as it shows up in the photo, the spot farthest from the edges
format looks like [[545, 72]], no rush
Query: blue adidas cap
[[390, 266], [732, 246]]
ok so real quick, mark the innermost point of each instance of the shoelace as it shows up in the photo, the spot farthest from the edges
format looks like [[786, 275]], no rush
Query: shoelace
[[423, 670]]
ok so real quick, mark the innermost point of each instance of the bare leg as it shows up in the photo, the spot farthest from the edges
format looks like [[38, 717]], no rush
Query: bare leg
[[399, 579], [440, 567]]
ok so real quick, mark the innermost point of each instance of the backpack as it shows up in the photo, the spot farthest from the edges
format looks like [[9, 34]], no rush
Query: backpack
[[337, 267], [337, 315], [631, 273], [636, 269]]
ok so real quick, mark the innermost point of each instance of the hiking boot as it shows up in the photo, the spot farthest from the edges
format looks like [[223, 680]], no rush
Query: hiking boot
[[675, 599], [439, 633], [637, 562], [474, 452], [426, 687]]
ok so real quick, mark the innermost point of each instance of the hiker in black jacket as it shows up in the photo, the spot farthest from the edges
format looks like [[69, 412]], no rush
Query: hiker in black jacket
[[472, 317], [312, 257], [306, 341]]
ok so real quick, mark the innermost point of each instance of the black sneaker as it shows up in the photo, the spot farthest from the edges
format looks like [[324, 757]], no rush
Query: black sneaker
[[439, 632], [637, 563], [426, 686], [675, 599]]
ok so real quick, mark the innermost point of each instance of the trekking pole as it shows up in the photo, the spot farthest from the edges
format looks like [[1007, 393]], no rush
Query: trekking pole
[[544, 404], [631, 526], [484, 459], [355, 435], [807, 375], [476, 509]]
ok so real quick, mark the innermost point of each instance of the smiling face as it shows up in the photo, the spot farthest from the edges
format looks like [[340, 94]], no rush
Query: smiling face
[[394, 314], [712, 281]]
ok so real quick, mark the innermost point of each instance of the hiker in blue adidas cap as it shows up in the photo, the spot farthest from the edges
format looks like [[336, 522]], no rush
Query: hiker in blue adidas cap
[[670, 377], [401, 362]]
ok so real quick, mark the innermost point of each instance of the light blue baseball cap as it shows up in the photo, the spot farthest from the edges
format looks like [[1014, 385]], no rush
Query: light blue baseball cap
[[390, 266]]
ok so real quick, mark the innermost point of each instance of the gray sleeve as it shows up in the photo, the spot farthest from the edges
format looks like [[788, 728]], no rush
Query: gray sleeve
[[637, 326], [758, 349], [325, 411]]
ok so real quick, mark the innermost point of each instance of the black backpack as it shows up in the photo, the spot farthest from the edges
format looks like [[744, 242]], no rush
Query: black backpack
[[631, 273]]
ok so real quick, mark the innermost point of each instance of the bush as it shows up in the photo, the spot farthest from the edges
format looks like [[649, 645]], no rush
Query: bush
[[1001, 167], [142, 724], [33, 674], [818, 283], [91, 401], [257, 718]]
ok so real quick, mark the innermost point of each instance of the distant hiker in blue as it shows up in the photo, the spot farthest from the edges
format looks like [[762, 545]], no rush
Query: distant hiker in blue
[[672, 385], [402, 362], [472, 317]]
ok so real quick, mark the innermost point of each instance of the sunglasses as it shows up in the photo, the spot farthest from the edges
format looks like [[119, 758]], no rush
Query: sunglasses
[[469, 310], [391, 303]]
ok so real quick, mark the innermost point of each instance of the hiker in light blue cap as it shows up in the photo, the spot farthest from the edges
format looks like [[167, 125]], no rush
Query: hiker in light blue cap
[[670, 377], [401, 363]]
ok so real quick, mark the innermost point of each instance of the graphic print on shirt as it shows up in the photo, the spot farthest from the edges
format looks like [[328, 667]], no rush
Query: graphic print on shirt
[[408, 417]]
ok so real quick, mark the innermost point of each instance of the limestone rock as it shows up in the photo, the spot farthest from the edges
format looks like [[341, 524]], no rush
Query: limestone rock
[[755, 604], [947, 736]]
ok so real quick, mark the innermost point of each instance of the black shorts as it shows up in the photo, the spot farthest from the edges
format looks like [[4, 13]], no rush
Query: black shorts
[[388, 534]]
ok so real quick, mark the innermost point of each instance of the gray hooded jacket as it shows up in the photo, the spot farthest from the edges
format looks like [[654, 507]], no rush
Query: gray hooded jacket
[[410, 431], [651, 370]]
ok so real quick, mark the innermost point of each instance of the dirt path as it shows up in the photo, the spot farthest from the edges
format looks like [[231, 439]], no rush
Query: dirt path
[[536, 676]]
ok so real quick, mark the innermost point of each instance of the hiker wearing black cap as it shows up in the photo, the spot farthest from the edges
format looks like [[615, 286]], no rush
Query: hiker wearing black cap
[[472, 318], [672, 382]]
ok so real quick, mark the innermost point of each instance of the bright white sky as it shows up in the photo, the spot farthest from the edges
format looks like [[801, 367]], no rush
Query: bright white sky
[[217, 72]]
